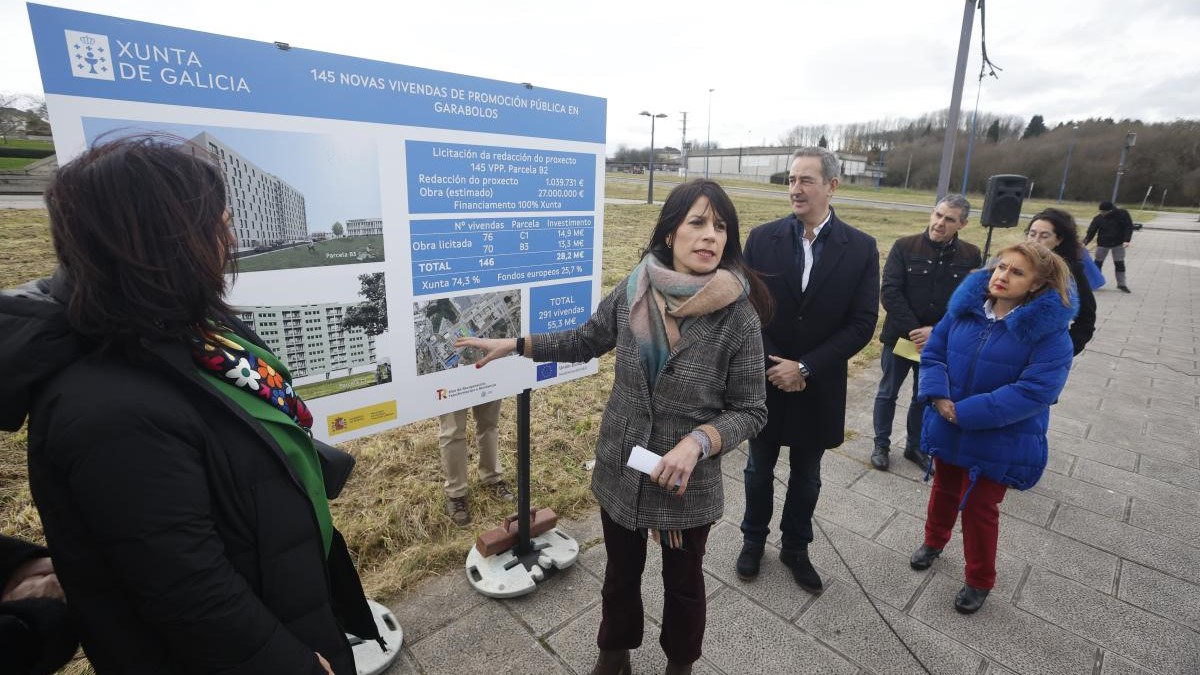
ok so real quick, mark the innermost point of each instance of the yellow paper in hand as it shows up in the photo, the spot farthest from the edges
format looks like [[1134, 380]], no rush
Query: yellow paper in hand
[[906, 349]]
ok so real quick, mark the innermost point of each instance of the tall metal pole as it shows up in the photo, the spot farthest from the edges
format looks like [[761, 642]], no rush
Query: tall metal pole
[[1130, 139], [708, 134], [523, 544], [683, 149], [971, 138], [650, 189], [1067, 167], [964, 45]]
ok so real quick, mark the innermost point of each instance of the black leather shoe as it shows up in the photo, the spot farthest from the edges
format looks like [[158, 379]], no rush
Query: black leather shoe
[[879, 458], [1124, 289], [923, 557], [970, 599], [802, 570], [917, 457], [747, 562]]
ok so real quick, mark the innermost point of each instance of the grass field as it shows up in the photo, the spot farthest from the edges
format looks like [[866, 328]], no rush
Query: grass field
[[25, 143], [341, 251], [336, 385], [14, 163], [391, 512]]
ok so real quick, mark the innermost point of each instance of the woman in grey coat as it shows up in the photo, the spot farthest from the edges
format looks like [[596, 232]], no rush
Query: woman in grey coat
[[689, 384]]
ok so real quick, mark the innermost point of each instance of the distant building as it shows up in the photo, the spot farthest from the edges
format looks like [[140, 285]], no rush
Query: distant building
[[358, 227], [309, 338], [267, 211], [760, 163]]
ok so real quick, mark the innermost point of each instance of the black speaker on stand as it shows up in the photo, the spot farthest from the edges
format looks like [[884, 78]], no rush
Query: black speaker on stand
[[1002, 201]]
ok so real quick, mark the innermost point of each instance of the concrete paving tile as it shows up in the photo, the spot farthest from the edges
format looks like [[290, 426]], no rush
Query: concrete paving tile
[[1139, 486], [583, 530], [844, 619], [1102, 500], [886, 487], [435, 603], [997, 669], [1072, 559], [883, 572], [403, 665], [1094, 450], [1133, 633], [1177, 406], [459, 648], [905, 533], [1078, 410], [1027, 505], [556, 600], [1122, 400], [841, 470], [1060, 461], [1161, 594], [1016, 639], [1146, 548], [1115, 665], [1158, 431], [852, 510], [774, 588], [1068, 425], [1169, 472], [743, 638], [1164, 520], [1120, 428]]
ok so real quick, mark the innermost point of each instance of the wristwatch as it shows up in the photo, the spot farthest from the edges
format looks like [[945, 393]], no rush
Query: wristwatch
[[804, 370]]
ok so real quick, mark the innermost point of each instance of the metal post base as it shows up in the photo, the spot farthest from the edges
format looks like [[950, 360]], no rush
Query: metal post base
[[505, 575], [369, 658]]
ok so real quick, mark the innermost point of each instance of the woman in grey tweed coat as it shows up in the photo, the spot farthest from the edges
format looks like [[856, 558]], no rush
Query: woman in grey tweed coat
[[689, 384]]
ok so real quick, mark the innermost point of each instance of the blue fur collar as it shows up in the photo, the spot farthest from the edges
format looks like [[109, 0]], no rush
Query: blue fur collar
[[1030, 322]]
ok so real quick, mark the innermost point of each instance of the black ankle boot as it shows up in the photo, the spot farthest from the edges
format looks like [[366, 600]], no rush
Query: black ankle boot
[[970, 599], [803, 573], [748, 561], [612, 662]]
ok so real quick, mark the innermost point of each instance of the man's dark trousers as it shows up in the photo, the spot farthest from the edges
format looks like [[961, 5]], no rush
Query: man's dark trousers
[[804, 487], [895, 369]]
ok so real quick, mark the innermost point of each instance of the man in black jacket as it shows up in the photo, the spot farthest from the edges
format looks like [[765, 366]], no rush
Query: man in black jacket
[[1112, 228], [824, 277], [919, 276]]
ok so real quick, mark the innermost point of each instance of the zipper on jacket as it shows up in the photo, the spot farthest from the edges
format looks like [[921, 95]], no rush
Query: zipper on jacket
[[984, 336]]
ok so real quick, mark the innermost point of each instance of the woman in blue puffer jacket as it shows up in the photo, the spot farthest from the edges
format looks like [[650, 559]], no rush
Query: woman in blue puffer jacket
[[990, 371]]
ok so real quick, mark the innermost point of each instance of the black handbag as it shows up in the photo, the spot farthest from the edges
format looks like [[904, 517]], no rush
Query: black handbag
[[336, 466]]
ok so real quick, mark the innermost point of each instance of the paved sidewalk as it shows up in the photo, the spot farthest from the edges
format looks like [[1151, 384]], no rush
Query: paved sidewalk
[[1099, 565]]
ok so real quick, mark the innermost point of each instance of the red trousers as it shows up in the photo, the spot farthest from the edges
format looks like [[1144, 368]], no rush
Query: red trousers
[[981, 520], [684, 606]]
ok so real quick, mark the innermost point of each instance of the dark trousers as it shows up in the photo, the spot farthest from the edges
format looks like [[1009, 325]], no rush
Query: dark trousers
[[684, 604], [895, 369], [981, 520], [804, 487]]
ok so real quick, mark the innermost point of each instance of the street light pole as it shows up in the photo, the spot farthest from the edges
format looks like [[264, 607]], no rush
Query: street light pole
[[708, 134], [964, 44], [650, 190], [1067, 167], [1130, 139]]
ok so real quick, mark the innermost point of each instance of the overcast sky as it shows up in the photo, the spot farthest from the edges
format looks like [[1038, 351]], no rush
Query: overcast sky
[[773, 65]]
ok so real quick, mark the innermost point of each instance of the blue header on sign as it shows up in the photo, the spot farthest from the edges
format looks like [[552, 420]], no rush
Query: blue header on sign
[[97, 56]]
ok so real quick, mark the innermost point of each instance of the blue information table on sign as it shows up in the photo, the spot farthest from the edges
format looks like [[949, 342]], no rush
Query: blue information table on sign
[[464, 254]]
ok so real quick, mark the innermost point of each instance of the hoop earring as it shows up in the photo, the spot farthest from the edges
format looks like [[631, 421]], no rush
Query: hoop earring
[[668, 242]]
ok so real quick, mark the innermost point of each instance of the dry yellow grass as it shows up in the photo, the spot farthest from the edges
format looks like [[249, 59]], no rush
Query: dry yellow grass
[[391, 513]]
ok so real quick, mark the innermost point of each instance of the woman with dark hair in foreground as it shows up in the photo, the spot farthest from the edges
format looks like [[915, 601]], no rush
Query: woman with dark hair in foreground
[[180, 491], [689, 384]]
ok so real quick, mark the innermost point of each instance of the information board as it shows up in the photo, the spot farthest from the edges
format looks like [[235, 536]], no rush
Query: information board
[[381, 210]]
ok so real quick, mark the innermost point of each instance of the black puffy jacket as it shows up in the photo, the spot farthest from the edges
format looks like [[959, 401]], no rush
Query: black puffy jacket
[[918, 279], [180, 534]]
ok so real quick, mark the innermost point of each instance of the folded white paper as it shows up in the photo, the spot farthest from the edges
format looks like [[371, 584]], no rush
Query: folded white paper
[[643, 460]]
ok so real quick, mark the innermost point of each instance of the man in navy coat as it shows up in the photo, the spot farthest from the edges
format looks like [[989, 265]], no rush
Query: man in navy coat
[[824, 277]]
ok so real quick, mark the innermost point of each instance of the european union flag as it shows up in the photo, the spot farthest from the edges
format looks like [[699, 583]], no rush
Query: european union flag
[[546, 371]]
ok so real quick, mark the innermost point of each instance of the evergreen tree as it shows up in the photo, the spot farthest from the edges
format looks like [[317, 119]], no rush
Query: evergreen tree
[[1037, 127]]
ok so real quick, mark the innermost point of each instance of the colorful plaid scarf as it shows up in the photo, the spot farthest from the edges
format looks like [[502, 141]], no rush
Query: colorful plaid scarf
[[659, 297]]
